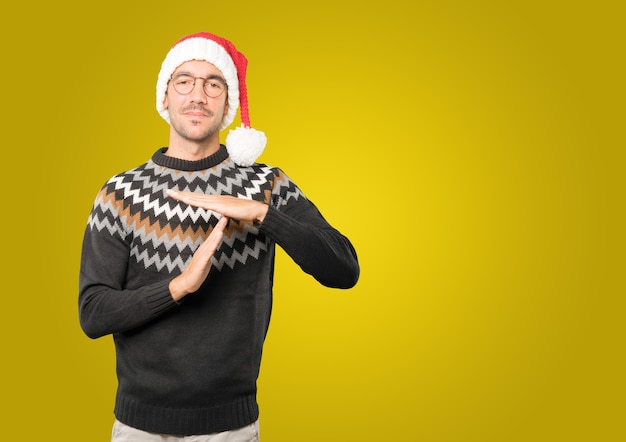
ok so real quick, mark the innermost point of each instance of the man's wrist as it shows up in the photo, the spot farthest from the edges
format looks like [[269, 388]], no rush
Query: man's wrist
[[262, 213], [176, 289]]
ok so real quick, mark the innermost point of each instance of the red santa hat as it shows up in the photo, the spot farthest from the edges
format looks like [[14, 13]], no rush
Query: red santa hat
[[244, 144]]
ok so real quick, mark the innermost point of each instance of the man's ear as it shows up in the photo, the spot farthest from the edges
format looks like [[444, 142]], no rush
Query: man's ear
[[165, 106]]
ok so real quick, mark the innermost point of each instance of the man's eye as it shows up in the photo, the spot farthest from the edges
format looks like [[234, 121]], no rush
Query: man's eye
[[215, 85]]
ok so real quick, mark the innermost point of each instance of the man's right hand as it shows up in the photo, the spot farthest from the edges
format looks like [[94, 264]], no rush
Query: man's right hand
[[196, 272]]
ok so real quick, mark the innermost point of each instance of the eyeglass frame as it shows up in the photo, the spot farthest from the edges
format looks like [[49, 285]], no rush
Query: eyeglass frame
[[206, 81]]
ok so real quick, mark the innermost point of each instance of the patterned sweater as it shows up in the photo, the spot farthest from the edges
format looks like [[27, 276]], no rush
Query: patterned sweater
[[191, 367]]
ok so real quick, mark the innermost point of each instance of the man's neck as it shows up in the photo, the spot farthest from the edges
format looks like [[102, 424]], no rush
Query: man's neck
[[191, 150]]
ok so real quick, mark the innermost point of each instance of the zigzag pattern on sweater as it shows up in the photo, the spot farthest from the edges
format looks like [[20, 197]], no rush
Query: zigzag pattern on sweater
[[163, 233]]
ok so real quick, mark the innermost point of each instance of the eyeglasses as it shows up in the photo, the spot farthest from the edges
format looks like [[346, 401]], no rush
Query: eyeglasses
[[184, 84]]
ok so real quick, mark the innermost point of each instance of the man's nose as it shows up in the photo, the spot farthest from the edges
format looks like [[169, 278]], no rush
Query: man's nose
[[197, 94]]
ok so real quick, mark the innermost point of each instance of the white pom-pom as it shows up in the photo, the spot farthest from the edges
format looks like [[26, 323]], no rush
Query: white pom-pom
[[245, 145]]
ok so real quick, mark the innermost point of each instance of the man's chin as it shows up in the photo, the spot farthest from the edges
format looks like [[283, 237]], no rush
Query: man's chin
[[197, 136]]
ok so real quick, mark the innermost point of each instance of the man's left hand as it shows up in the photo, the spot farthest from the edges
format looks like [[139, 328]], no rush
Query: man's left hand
[[229, 206]]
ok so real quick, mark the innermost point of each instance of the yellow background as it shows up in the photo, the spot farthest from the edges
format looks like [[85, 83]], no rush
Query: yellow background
[[472, 151]]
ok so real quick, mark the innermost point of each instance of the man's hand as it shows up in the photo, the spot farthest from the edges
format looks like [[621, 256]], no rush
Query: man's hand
[[230, 206], [196, 272]]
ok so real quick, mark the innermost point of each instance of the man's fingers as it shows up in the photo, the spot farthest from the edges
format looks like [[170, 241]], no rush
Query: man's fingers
[[216, 235], [214, 239], [208, 202], [237, 208], [221, 224], [194, 275]]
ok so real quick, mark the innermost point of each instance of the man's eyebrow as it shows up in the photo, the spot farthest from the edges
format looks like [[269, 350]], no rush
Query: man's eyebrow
[[217, 77], [210, 77]]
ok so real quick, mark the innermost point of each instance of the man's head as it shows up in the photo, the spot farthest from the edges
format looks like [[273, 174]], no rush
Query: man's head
[[244, 144], [196, 103]]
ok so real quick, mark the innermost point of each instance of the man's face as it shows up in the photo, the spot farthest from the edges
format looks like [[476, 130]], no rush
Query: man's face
[[196, 116]]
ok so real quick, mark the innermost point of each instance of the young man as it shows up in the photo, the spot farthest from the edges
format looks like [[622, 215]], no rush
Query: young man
[[178, 257]]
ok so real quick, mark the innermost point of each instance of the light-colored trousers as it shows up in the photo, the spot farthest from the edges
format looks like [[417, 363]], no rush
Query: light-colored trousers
[[124, 433]]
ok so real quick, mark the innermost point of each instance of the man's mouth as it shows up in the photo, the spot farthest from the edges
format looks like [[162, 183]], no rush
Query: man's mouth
[[197, 111]]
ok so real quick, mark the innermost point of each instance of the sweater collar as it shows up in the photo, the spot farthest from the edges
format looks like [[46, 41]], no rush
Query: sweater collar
[[163, 160]]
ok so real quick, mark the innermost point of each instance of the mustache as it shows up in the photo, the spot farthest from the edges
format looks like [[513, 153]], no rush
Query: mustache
[[197, 108]]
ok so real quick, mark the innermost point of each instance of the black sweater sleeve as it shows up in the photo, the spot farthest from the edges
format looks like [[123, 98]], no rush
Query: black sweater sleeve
[[318, 248], [106, 306]]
